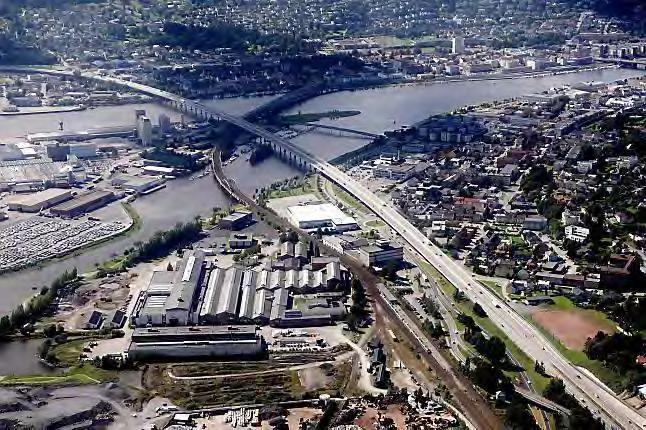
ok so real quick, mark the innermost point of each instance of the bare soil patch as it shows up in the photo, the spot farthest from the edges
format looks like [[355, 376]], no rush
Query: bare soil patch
[[572, 329]]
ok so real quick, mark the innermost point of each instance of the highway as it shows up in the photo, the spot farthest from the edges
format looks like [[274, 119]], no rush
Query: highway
[[585, 387]]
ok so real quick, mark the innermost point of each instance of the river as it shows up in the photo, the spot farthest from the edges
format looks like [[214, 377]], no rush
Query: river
[[392, 107], [381, 109]]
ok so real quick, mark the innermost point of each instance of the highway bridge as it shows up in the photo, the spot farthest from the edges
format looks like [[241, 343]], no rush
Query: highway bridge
[[342, 131], [587, 389]]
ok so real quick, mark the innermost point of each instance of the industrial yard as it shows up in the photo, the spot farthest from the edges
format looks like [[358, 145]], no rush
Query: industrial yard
[[39, 238]]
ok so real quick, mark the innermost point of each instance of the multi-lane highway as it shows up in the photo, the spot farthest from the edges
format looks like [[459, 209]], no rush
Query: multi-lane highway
[[585, 387]]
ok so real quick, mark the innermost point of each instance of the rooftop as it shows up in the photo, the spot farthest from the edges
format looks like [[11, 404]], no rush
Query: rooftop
[[319, 213]]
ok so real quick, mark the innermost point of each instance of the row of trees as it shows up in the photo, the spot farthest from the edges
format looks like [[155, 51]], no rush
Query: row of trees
[[223, 35], [37, 305], [580, 418], [359, 308], [164, 242], [618, 351]]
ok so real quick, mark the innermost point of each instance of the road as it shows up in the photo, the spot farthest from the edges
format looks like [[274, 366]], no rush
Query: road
[[585, 387]]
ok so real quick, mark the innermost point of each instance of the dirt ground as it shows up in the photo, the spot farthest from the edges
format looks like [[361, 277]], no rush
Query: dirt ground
[[368, 419], [313, 378], [571, 328]]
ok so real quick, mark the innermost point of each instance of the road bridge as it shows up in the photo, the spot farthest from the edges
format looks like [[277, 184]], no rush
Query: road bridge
[[638, 63], [342, 130], [542, 402], [587, 389]]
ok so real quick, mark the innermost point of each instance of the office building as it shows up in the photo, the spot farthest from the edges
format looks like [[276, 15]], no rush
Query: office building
[[144, 130], [380, 254]]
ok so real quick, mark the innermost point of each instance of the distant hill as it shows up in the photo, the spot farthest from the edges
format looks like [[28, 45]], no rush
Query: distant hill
[[633, 12]]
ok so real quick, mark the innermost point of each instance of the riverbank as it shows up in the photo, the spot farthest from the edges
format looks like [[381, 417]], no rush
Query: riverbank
[[41, 110]]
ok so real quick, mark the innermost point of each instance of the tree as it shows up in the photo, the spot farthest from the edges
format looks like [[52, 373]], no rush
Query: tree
[[5, 325], [539, 367], [517, 416], [49, 331], [390, 270], [495, 350], [478, 310]]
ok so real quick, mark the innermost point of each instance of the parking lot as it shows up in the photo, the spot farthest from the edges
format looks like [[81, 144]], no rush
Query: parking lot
[[39, 238]]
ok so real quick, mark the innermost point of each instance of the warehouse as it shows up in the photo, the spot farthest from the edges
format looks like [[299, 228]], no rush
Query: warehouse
[[38, 201], [83, 203], [322, 215], [237, 295], [171, 297], [221, 297], [137, 184], [196, 342]]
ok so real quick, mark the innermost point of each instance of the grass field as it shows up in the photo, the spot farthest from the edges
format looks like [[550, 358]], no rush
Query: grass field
[[564, 303], [47, 380], [494, 286], [611, 378], [305, 187], [68, 353], [375, 223]]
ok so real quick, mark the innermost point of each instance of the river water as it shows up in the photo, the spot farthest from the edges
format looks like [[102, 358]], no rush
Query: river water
[[392, 107], [381, 109]]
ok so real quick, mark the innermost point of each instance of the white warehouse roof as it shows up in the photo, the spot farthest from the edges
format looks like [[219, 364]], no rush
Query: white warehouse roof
[[312, 215]]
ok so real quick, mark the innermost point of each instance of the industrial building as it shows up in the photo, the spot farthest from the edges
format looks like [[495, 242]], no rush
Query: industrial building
[[235, 221], [237, 295], [137, 184], [83, 203], [320, 215], [38, 201], [172, 296], [196, 342]]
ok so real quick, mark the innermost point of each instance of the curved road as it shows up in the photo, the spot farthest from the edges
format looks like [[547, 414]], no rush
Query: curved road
[[580, 383]]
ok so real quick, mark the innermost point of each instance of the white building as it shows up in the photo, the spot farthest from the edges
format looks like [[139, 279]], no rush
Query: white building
[[576, 233], [145, 130], [322, 215]]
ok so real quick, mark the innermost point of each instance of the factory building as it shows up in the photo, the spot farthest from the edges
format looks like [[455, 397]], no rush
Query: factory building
[[196, 293], [83, 203], [38, 201], [171, 297], [237, 295], [196, 342], [323, 216]]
